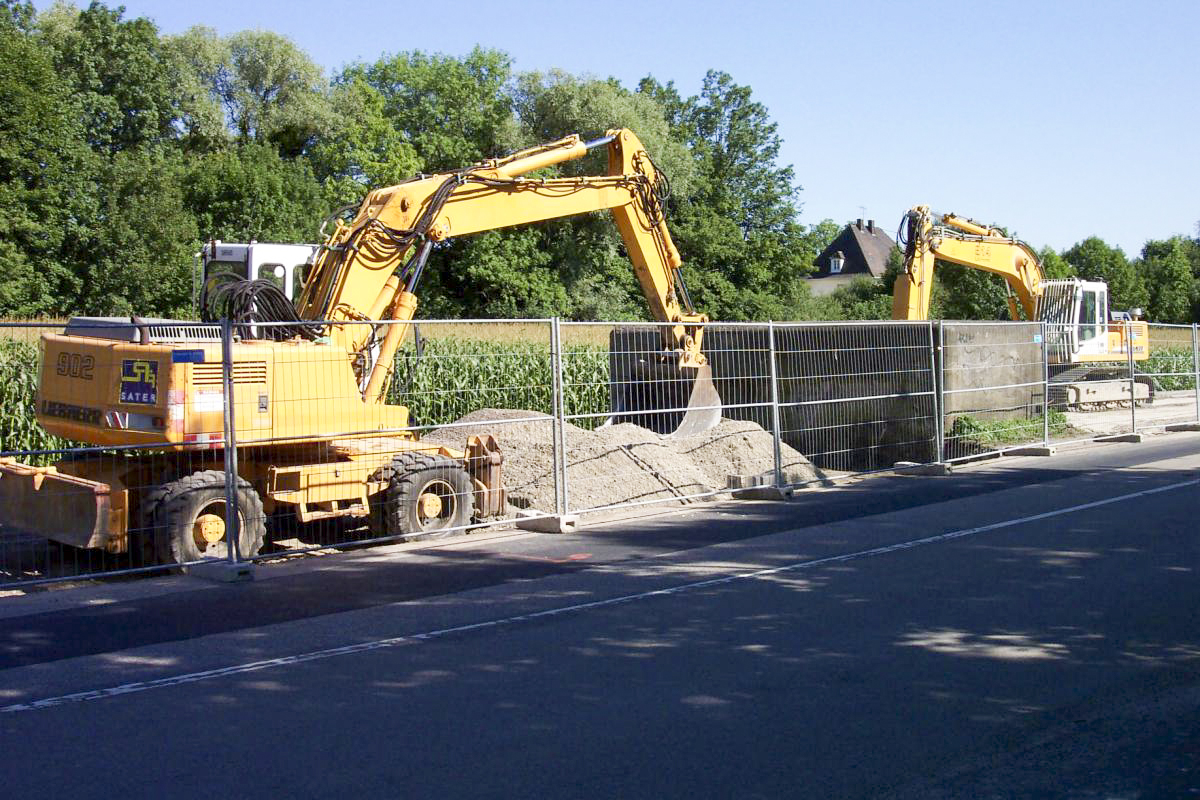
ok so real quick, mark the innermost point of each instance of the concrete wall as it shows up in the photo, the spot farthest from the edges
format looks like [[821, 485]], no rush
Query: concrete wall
[[992, 360]]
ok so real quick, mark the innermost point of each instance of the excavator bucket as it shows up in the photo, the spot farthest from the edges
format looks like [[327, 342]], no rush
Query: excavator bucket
[[703, 408], [650, 389]]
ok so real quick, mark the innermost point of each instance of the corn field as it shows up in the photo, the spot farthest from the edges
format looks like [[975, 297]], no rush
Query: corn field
[[452, 377], [19, 429]]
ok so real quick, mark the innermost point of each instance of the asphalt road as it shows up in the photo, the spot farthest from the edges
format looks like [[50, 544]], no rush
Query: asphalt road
[[1022, 628]]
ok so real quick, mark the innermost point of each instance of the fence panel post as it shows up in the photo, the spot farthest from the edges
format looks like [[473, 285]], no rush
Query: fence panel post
[[1045, 387], [232, 516], [1132, 383], [775, 430], [937, 356], [559, 448], [1196, 368]]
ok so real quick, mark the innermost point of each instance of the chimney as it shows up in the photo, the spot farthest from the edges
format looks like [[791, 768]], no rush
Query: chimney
[[858, 223], [871, 226]]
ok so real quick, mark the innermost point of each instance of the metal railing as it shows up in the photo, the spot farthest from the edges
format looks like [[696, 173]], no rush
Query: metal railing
[[583, 413]]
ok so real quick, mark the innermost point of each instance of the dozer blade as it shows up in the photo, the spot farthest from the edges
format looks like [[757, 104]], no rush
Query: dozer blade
[[703, 408]]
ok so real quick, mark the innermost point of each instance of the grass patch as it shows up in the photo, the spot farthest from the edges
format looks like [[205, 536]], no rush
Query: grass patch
[[988, 435]]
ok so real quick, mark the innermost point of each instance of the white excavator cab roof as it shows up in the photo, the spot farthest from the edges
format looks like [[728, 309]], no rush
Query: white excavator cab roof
[[282, 264]]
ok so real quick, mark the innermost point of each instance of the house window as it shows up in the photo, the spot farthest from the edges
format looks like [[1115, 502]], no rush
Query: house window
[[836, 262]]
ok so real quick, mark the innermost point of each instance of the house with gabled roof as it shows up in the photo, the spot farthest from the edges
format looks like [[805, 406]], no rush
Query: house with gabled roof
[[859, 251]]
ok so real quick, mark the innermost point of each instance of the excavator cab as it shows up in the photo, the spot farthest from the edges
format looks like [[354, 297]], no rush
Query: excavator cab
[[283, 265], [1077, 318]]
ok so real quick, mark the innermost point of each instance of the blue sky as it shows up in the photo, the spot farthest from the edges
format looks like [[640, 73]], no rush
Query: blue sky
[[1059, 120]]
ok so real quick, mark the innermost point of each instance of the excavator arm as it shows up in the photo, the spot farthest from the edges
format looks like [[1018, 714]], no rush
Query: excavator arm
[[370, 267], [928, 237]]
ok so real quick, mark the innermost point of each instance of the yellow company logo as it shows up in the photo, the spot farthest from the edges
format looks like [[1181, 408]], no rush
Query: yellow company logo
[[141, 372]]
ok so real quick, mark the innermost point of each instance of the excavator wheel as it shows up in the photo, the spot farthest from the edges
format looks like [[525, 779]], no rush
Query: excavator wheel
[[189, 519], [143, 538], [426, 494]]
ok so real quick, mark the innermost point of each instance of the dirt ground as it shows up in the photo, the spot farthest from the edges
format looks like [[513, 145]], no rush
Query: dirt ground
[[623, 463]]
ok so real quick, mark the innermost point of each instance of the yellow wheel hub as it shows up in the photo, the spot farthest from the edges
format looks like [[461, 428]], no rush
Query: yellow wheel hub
[[429, 506], [208, 528]]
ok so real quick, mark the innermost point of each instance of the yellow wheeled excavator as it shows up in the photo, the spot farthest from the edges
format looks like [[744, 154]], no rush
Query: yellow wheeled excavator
[[1088, 346], [340, 450]]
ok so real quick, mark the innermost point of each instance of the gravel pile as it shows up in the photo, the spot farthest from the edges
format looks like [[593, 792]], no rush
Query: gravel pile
[[621, 463]]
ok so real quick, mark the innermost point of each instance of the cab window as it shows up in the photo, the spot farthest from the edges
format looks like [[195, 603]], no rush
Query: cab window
[[1089, 316], [274, 273], [212, 268], [299, 278]]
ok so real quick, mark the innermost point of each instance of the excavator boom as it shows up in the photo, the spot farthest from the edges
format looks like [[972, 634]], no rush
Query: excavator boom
[[929, 238], [370, 266]]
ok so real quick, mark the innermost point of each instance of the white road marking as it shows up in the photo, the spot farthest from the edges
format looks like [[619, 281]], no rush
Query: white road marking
[[316, 655]]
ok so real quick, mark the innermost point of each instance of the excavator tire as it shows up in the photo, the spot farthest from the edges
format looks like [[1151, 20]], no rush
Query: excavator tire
[[427, 494], [143, 539], [189, 519]]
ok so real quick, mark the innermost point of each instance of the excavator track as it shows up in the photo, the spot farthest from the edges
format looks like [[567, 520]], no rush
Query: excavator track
[[1061, 381]]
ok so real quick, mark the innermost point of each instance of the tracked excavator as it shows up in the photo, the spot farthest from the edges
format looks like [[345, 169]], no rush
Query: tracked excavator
[[1088, 345], [342, 452]]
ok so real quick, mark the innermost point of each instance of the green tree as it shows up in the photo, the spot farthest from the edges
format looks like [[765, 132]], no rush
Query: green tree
[[964, 293], [453, 111], [258, 84], [17, 15], [1054, 265], [251, 192], [276, 93], [494, 274], [118, 71], [585, 251], [45, 197], [136, 257], [555, 104], [362, 150], [1092, 259], [862, 298], [200, 64], [431, 113], [737, 226], [1170, 282]]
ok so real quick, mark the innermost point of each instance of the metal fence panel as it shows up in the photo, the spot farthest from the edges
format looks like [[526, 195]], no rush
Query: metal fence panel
[[1171, 367], [337, 469], [1088, 393], [626, 440], [993, 387], [83, 503], [858, 397]]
